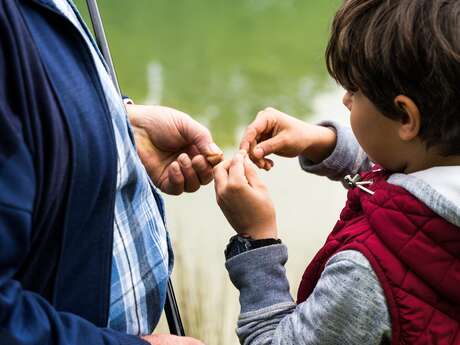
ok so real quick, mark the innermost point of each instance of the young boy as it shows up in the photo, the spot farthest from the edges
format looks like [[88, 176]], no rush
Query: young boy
[[390, 270]]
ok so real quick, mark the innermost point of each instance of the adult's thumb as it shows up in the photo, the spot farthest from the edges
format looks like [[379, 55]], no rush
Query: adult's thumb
[[200, 136]]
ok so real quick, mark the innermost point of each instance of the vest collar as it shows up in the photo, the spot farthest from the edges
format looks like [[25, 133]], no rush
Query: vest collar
[[437, 187]]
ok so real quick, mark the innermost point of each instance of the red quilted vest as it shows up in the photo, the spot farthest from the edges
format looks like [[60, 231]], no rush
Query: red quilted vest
[[414, 253]]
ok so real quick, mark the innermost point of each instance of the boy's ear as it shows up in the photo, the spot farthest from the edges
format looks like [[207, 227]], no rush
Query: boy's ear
[[410, 124]]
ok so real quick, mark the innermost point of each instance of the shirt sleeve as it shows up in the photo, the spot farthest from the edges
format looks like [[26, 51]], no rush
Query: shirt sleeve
[[347, 158], [347, 305]]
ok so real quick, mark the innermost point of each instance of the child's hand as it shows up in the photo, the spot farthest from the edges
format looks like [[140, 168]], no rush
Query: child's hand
[[275, 132], [244, 199]]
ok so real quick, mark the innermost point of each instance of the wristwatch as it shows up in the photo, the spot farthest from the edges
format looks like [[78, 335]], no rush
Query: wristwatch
[[239, 244]]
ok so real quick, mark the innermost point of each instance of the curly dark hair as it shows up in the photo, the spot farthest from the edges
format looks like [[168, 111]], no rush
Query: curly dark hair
[[387, 48]]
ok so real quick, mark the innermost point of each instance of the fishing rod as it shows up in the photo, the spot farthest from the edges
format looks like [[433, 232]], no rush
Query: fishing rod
[[171, 308]]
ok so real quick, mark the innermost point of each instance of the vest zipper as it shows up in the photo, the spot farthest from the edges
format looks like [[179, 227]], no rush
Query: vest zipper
[[355, 181]]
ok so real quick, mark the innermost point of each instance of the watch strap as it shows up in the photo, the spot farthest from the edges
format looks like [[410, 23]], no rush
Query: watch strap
[[264, 242], [239, 244]]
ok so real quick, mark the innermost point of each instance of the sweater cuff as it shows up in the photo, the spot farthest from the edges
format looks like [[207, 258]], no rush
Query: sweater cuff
[[343, 160], [260, 276]]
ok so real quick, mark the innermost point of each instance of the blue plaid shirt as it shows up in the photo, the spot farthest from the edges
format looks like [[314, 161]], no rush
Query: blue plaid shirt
[[142, 256]]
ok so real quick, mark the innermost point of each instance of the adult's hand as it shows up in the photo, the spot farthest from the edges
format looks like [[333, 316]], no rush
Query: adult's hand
[[276, 132], [168, 339], [177, 151]]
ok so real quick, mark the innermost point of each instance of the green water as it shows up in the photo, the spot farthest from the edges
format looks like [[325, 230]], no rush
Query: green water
[[220, 60]]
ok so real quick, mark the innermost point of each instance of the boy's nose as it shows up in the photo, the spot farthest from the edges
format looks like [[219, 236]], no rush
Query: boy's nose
[[347, 100]]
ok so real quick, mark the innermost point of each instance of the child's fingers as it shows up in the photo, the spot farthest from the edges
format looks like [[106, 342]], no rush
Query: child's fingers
[[264, 163], [268, 164], [249, 138], [261, 163], [264, 123], [221, 176], [236, 177], [269, 146], [257, 161], [251, 174]]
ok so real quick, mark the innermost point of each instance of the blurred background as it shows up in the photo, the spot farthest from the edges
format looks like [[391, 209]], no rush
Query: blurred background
[[222, 61]]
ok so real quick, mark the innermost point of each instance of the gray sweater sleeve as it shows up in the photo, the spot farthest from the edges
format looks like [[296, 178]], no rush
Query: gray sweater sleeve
[[347, 305], [347, 158]]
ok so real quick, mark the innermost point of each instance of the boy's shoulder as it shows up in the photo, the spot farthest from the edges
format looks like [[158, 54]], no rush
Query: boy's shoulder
[[433, 193], [402, 205]]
